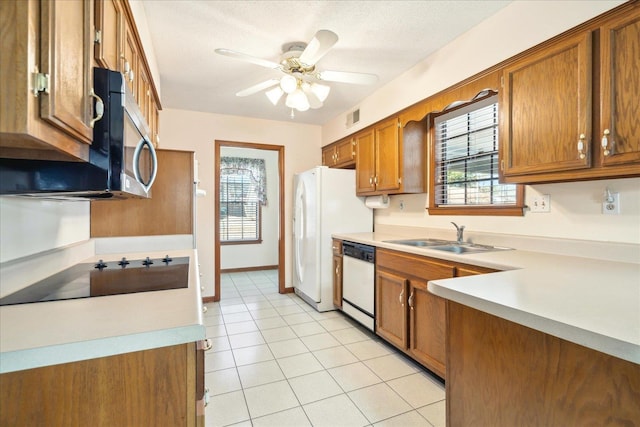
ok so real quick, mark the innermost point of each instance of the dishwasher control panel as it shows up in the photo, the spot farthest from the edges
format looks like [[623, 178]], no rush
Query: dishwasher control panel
[[359, 251]]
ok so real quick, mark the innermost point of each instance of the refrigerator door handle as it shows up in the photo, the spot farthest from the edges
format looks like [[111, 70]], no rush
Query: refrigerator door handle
[[299, 227]]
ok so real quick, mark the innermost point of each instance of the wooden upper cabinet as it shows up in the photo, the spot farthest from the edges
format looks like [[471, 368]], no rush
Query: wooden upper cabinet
[[378, 159], [130, 58], [387, 146], [46, 79], [545, 109], [109, 23], [569, 110], [345, 153], [619, 130], [365, 162], [391, 158], [66, 50], [49, 49], [341, 154]]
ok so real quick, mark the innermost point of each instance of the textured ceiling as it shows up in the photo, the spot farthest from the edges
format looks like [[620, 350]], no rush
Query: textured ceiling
[[385, 38]]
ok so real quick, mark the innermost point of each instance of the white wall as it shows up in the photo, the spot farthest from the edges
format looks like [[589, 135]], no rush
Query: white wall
[[191, 130], [575, 207], [266, 252], [29, 226], [513, 29], [576, 213]]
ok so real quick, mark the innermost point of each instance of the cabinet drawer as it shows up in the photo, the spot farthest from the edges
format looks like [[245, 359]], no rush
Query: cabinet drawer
[[414, 265]]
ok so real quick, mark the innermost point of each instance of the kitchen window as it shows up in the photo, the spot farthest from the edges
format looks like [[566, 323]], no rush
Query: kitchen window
[[465, 163], [242, 194]]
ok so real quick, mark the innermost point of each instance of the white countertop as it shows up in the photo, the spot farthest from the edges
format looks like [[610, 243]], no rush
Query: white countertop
[[49, 333], [591, 302]]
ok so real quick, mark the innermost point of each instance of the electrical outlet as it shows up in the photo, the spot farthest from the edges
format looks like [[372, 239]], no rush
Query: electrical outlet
[[541, 203], [611, 206], [401, 205]]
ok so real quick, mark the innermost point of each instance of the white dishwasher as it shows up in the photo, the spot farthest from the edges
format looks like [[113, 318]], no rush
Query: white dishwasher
[[358, 281]]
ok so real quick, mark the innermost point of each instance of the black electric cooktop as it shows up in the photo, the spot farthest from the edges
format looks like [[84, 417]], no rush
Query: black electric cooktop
[[106, 278]]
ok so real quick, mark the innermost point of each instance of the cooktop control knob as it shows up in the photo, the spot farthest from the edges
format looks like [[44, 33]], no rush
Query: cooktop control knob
[[100, 265], [147, 262], [167, 260], [123, 262]]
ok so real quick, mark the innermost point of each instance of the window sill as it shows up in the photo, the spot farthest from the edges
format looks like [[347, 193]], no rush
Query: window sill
[[477, 210], [241, 242]]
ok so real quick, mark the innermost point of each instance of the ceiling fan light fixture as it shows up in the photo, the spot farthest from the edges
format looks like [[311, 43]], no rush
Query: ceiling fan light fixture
[[320, 91], [288, 83], [274, 94], [298, 100]]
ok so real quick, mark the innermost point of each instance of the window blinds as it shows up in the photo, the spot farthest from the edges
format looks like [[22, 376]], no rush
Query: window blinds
[[466, 157]]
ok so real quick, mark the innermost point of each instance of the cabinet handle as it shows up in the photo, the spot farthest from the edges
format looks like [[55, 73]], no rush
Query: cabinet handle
[[206, 397], [401, 298], [206, 344], [99, 108], [375, 180], [411, 300], [581, 152], [371, 181], [337, 270], [204, 309], [605, 143]]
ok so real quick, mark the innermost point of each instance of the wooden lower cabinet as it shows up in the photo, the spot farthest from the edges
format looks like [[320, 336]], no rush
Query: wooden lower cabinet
[[500, 373], [391, 308], [157, 387], [407, 314], [337, 273]]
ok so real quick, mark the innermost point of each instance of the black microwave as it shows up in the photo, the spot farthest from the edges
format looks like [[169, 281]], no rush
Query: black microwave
[[122, 160]]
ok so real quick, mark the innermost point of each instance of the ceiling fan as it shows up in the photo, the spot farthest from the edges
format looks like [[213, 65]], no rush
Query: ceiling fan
[[301, 78]]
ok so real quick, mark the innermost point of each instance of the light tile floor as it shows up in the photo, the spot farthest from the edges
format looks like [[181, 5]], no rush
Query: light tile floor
[[276, 361]]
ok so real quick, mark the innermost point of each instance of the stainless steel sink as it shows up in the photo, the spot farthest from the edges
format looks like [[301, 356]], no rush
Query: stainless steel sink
[[420, 242], [449, 246]]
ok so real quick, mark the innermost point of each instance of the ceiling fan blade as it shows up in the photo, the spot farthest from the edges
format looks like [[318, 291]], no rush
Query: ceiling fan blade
[[257, 88], [248, 58], [318, 47], [347, 77]]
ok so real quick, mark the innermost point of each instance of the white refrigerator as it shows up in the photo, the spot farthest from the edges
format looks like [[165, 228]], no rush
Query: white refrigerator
[[324, 203]]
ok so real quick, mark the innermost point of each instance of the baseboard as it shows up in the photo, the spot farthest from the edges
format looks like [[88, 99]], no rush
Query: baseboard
[[241, 269]]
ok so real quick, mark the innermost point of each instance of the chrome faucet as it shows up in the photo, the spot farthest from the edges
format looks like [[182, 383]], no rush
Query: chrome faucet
[[460, 231]]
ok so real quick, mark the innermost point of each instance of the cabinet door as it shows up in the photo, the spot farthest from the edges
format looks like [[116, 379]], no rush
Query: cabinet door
[[66, 48], [391, 308], [108, 23], [327, 156], [345, 153], [145, 388], [365, 163], [427, 326], [387, 156], [144, 94], [620, 90], [130, 59], [545, 110], [337, 281], [168, 211]]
